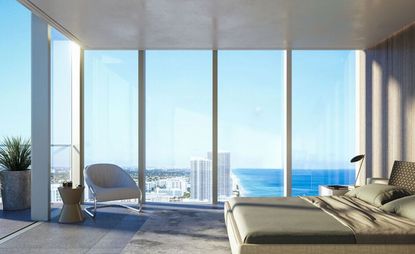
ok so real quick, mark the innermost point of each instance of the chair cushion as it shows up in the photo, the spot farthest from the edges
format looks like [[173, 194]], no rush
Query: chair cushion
[[119, 193], [107, 176], [110, 182]]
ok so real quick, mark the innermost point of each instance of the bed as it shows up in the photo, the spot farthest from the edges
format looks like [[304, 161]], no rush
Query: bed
[[340, 224]]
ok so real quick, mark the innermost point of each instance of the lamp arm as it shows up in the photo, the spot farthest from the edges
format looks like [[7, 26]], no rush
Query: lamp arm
[[358, 173]]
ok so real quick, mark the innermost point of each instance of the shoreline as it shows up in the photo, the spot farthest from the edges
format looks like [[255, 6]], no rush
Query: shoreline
[[268, 182]]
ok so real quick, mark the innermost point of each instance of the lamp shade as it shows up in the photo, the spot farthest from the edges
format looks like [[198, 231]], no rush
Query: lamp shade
[[357, 158]]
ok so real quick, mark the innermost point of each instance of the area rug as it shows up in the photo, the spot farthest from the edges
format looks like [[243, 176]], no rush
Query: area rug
[[181, 231]]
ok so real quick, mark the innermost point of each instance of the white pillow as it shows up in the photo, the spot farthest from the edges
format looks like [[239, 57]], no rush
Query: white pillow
[[404, 207]]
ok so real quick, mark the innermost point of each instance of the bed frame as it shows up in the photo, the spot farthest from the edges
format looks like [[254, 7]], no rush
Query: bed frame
[[239, 247]]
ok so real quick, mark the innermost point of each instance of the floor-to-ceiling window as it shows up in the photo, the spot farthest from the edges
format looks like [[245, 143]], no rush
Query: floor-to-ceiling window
[[111, 109], [250, 123], [61, 78], [178, 126], [323, 119], [65, 81], [15, 79], [250, 120]]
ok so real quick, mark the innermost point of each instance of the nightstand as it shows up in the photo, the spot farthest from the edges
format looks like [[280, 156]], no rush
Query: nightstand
[[334, 190]]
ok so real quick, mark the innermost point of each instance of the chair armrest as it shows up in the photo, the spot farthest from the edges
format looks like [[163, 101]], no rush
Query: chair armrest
[[378, 180]]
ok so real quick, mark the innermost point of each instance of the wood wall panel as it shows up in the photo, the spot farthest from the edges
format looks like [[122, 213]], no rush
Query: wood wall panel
[[390, 103]]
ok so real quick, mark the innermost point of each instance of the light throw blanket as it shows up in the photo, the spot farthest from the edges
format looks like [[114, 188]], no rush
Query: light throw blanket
[[369, 223]]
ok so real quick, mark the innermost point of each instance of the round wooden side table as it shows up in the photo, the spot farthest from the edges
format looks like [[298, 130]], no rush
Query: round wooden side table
[[71, 211]]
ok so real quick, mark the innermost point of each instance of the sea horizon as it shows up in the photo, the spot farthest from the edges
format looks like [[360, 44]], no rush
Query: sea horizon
[[269, 182]]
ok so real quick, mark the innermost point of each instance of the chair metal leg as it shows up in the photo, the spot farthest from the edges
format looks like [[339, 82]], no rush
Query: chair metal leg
[[92, 214], [95, 207], [131, 208], [140, 200]]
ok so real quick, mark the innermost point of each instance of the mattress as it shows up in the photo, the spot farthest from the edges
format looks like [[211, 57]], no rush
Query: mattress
[[286, 221]]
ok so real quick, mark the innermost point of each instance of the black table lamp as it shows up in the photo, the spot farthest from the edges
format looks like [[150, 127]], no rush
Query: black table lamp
[[357, 158]]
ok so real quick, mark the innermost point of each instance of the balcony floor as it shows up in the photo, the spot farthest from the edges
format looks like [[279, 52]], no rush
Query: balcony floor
[[161, 228], [12, 221]]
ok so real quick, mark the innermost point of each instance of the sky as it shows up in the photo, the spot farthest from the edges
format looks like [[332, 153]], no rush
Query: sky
[[14, 69], [179, 102]]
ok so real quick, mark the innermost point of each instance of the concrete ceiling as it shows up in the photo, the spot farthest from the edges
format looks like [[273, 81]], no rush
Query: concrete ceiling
[[227, 24]]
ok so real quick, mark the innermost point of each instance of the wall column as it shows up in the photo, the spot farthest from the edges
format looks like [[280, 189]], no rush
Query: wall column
[[287, 123], [77, 120], [360, 73], [142, 122], [214, 126], [41, 120]]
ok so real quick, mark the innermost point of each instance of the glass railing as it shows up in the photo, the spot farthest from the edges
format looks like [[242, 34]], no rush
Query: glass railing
[[60, 168]]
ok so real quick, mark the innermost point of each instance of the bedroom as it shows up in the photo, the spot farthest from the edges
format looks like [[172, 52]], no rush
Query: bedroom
[[201, 101]]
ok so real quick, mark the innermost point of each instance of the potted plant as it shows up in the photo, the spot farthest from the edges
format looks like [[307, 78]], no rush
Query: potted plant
[[15, 159]]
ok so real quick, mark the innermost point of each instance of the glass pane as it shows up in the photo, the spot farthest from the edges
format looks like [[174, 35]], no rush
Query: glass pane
[[60, 169], [61, 79], [111, 109], [15, 78], [178, 132], [324, 98], [250, 123]]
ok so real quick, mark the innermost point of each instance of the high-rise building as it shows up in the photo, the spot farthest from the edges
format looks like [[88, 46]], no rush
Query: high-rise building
[[200, 179], [224, 174]]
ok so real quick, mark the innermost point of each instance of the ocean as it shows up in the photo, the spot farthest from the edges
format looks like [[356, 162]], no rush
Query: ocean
[[305, 182]]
